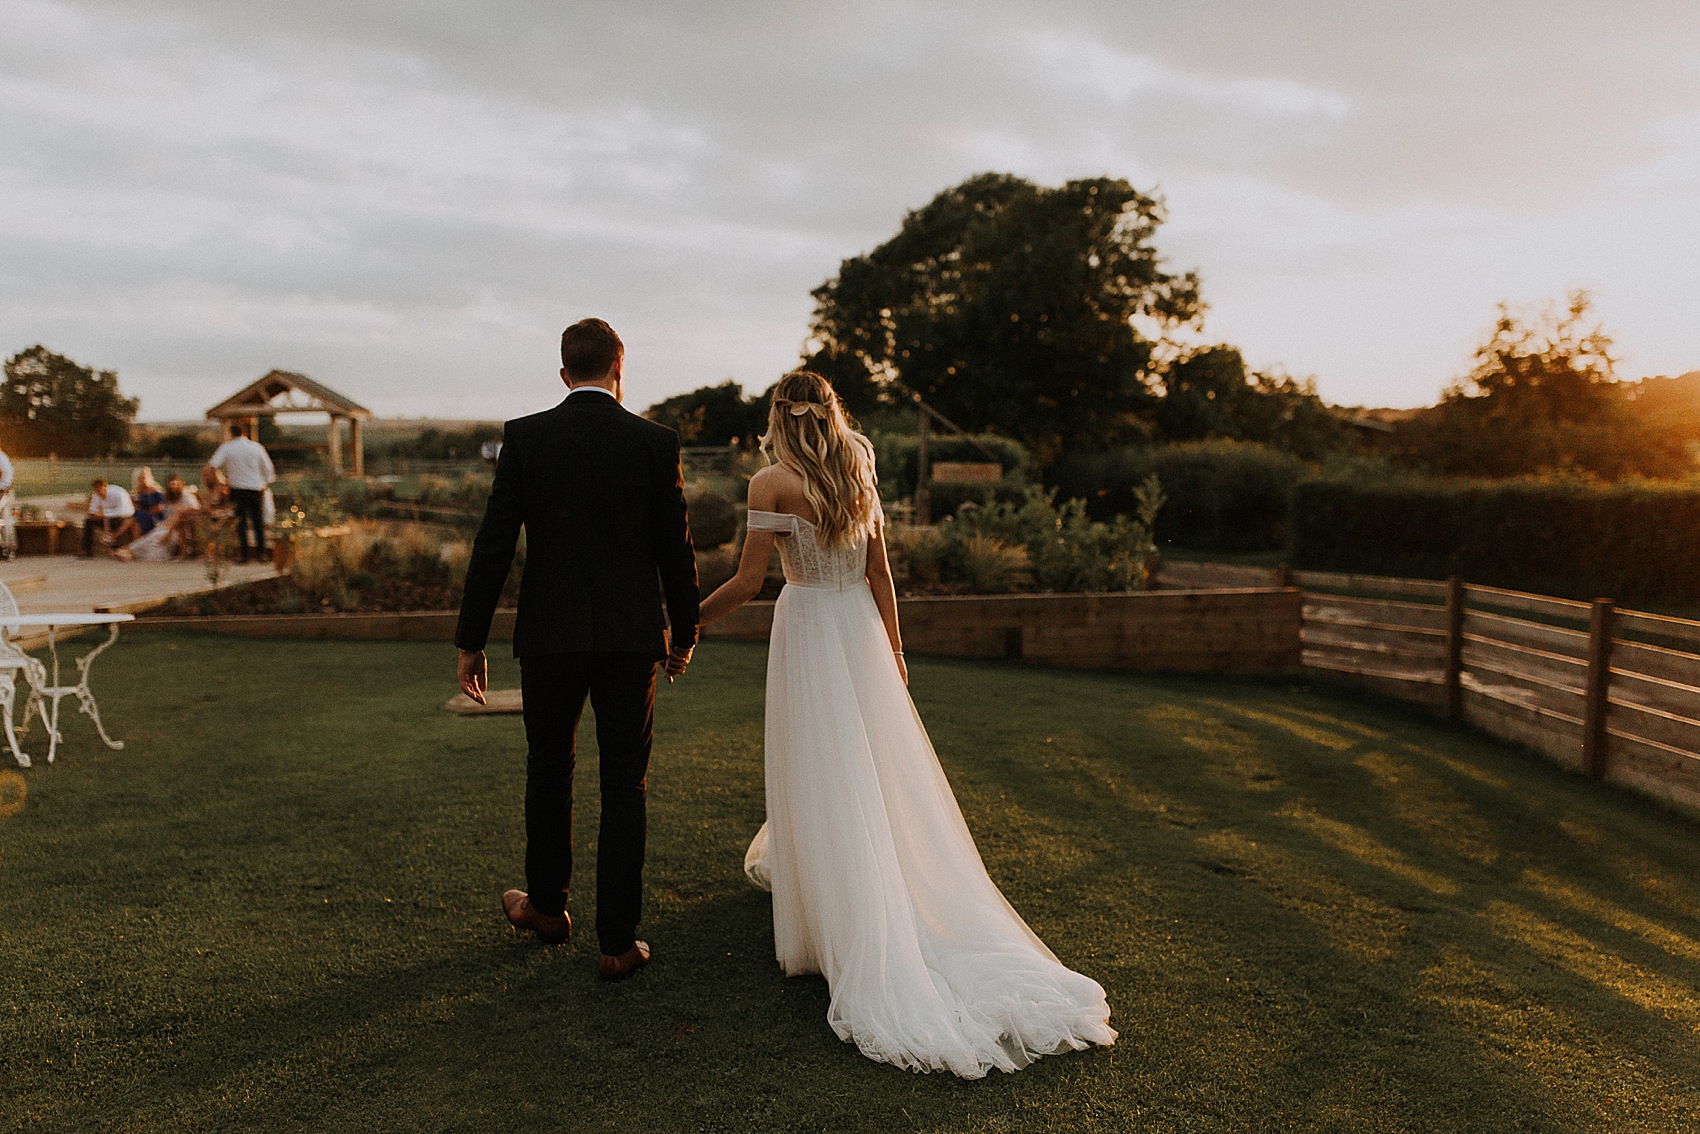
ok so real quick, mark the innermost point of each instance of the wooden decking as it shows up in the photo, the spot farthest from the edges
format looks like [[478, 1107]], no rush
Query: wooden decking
[[55, 583]]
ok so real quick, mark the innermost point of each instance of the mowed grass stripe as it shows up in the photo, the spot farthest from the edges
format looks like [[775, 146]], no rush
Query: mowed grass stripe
[[276, 909]]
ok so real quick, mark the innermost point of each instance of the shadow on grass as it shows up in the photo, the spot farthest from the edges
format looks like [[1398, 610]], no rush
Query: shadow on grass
[[1392, 917], [278, 911]]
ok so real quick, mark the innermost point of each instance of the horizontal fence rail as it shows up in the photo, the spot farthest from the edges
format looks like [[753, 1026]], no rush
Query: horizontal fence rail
[[1608, 693]]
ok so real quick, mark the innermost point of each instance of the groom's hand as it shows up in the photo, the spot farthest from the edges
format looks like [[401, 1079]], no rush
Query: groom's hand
[[473, 672], [677, 661]]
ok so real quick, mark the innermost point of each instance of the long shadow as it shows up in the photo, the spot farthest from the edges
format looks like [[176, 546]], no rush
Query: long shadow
[[1309, 912], [1353, 815]]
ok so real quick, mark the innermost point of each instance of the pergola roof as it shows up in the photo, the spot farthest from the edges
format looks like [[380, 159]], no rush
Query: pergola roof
[[283, 391]]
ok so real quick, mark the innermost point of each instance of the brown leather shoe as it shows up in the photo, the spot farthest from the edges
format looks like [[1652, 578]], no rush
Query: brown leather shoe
[[553, 929], [623, 966]]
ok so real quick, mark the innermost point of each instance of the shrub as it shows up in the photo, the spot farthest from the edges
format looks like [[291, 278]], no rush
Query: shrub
[[1035, 544], [989, 566], [897, 457], [714, 518], [1222, 495], [1566, 537], [369, 565]]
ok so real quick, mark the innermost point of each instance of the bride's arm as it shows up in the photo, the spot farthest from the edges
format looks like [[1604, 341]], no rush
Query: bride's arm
[[752, 565], [885, 594]]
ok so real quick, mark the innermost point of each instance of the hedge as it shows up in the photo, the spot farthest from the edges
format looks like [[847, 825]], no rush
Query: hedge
[[898, 460], [1221, 495], [1630, 542]]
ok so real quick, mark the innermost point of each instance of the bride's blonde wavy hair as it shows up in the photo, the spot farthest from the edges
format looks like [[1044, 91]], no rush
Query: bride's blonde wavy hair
[[810, 432]]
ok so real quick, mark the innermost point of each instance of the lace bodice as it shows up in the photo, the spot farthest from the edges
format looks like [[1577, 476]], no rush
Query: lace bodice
[[806, 562]]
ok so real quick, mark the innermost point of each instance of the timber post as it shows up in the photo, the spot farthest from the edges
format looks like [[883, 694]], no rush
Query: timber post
[[1598, 695], [1454, 681]]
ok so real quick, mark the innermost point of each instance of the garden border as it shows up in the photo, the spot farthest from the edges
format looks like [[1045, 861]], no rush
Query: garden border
[[1223, 630]]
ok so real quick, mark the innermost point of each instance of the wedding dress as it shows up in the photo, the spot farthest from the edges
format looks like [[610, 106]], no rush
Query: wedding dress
[[876, 882]]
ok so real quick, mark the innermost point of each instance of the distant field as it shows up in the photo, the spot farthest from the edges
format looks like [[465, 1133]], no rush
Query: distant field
[[68, 478]]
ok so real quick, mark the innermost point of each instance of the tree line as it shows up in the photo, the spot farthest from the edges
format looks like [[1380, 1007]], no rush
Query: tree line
[[1047, 315]]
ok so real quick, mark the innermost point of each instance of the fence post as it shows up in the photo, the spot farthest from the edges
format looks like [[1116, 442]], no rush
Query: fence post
[[1594, 705], [1454, 682], [1284, 576]]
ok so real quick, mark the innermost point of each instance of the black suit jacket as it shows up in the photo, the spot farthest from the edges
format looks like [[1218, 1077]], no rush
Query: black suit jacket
[[601, 497]]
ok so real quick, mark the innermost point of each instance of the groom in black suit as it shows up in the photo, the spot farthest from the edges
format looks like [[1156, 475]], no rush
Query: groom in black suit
[[600, 495]]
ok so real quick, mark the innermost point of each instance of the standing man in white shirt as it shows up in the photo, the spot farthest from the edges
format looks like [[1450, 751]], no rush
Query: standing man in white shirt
[[109, 506], [248, 467]]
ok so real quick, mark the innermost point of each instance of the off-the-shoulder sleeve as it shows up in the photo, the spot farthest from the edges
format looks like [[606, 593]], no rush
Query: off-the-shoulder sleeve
[[771, 521]]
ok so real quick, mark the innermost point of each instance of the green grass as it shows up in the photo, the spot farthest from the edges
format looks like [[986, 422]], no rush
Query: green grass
[[277, 910]]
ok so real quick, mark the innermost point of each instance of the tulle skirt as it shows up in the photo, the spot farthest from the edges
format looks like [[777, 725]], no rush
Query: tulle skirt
[[876, 882]]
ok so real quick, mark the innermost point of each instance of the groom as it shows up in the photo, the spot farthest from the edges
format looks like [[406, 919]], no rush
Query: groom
[[600, 495]]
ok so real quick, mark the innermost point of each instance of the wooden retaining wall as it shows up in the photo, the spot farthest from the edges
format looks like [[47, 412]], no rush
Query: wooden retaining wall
[[1607, 693], [1223, 631], [1217, 631]]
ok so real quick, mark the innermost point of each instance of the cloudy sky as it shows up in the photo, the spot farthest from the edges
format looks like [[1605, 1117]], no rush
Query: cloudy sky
[[408, 200]]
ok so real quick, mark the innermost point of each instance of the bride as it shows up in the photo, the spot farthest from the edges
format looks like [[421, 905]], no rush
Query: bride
[[876, 881]]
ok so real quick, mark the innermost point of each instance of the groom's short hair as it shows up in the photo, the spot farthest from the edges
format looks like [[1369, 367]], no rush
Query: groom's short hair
[[589, 349]]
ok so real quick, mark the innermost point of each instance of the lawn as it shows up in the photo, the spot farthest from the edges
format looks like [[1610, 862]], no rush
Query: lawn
[[277, 909]]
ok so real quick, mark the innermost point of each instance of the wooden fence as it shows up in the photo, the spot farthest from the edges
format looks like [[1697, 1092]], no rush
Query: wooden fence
[[1609, 693]]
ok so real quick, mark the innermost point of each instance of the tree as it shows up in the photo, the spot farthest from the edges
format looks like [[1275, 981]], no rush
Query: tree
[[1670, 406], [1543, 397], [712, 415], [50, 404], [1009, 306], [1209, 393]]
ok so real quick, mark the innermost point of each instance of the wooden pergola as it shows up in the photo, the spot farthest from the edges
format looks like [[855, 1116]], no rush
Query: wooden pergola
[[283, 391]]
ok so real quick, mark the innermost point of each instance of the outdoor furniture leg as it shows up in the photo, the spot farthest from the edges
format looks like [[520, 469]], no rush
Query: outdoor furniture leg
[[51, 692], [85, 696], [8, 693], [45, 688]]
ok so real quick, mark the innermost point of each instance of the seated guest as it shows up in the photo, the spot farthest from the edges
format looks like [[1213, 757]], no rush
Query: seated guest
[[215, 492], [149, 500], [173, 537], [109, 507]]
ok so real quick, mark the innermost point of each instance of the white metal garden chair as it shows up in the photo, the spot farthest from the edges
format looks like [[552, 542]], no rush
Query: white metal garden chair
[[14, 663]]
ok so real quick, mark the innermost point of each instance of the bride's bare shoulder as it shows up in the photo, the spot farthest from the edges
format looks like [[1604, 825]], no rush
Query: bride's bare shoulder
[[780, 489], [776, 477], [766, 487]]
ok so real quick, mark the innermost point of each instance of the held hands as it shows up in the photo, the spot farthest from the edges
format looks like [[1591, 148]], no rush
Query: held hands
[[677, 661], [472, 670], [902, 666]]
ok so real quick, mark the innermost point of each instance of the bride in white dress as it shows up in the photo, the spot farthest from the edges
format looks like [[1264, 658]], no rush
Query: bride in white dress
[[876, 882]]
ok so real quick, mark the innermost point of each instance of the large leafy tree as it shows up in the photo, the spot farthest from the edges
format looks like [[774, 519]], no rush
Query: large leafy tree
[[1544, 397], [1209, 393], [1010, 306], [712, 415], [50, 404]]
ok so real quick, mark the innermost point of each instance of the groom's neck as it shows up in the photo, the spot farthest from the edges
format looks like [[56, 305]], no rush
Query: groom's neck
[[611, 383]]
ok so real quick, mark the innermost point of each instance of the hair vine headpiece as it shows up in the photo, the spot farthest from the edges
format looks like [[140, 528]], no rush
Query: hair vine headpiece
[[798, 409]]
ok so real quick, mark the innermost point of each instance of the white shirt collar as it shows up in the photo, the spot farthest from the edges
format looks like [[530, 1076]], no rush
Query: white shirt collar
[[588, 388]]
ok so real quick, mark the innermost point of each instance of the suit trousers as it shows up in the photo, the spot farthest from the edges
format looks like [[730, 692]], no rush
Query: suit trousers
[[621, 688], [250, 518]]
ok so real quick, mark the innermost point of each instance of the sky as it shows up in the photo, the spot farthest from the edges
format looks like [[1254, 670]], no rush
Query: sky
[[408, 200]]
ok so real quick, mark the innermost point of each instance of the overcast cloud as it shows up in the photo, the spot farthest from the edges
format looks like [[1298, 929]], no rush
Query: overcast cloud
[[408, 201]]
